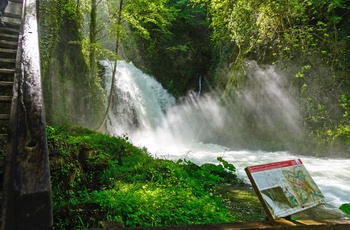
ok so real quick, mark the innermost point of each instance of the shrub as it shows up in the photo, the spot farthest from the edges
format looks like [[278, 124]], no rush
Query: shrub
[[98, 177]]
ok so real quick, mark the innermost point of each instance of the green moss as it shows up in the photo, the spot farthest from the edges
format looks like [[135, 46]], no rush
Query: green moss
[[71, 94]]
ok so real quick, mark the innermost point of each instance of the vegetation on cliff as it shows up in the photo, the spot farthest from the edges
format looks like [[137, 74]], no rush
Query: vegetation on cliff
[[308, 41], [71, 93], [180, 40]]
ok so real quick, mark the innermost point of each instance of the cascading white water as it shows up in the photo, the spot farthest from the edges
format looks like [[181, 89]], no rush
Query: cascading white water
[[199, 85], [146, 112], [139, 101]]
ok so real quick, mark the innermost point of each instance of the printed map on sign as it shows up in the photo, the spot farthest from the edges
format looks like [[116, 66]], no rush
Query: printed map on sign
[[286, 187]]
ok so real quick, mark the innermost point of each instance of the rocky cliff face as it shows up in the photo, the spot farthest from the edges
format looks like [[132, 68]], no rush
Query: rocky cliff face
[[71, 94]]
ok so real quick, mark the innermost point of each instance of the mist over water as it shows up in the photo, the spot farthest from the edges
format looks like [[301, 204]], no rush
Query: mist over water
[[192, 127], [147, 113], [263, 108], [267, 97]]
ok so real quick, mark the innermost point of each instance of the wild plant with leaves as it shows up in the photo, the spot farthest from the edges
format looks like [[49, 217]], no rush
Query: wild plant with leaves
[[98, 177]]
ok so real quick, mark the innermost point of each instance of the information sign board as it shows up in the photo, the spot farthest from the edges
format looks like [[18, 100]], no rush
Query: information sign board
[[284, 188]]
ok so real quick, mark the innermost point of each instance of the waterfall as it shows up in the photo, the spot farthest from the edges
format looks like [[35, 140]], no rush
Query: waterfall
[[190, 128], [139, 101], [147, 113], [199, 85]]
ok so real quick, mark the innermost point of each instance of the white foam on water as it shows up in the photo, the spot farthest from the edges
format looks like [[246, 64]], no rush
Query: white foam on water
[[148, 114]]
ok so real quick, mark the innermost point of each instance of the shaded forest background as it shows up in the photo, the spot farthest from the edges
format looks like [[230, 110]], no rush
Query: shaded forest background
[[303, 44]]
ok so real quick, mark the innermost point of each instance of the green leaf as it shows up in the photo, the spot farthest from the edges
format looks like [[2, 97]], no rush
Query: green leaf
[[345, 208]]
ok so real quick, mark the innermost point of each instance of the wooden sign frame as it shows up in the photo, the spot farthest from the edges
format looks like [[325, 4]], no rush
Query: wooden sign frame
[[284, 188]]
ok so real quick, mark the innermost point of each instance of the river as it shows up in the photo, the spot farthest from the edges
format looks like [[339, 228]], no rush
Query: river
[[149, 115]]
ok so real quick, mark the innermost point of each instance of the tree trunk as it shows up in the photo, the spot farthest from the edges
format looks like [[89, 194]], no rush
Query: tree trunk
[[115, 65], [93, 15]]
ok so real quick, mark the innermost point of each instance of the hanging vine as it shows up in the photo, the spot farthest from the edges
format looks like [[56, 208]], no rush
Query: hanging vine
[[115, 65]]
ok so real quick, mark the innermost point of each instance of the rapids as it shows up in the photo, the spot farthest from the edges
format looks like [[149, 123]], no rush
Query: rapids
[[151, 118]]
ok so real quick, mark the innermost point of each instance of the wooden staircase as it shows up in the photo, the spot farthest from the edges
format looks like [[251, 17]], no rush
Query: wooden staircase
[[9, 38]]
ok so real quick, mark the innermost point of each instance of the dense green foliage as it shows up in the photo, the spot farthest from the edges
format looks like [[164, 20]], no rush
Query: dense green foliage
[[177, 41], [345, 208], [97, 177], [309, 42], [179, 55]]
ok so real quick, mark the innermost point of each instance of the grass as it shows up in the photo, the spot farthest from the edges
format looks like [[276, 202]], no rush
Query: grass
[[97, 177]]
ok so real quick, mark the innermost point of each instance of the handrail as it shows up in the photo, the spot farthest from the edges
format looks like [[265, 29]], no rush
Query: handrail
[[27, 188]]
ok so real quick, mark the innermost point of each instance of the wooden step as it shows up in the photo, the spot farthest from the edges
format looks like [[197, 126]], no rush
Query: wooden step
[[9, 30], [9, 37], [7, 63], [7, 60], [3, 136], [8, 44], [8, 55], [8, 51], [5, 98], [13, 25], [16, 1], [11, 15], [6, 83], [7, 71], [4, 116]]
